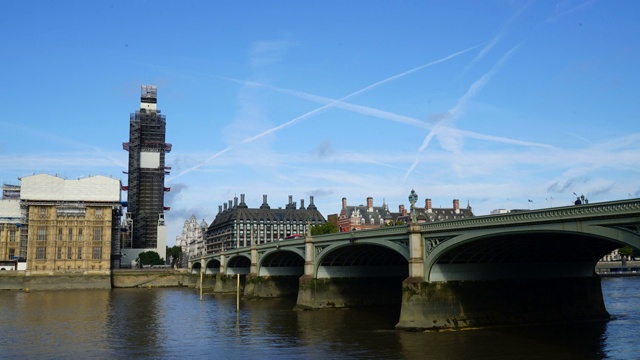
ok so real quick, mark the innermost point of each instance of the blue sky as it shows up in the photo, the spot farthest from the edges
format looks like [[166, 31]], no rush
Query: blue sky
[[494, 103]]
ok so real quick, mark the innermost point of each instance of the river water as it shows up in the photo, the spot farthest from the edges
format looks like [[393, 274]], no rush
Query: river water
[[176, 324]]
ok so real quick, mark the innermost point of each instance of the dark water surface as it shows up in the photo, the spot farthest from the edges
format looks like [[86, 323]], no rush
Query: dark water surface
[[174, 323]]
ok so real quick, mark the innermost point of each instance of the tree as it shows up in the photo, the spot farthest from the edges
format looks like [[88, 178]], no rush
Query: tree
[[150, 258], [629, 251], [326, 228], [175, 252], [395, 223]]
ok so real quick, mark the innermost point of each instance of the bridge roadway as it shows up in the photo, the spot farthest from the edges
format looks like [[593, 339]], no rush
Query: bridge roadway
[[518, 268]]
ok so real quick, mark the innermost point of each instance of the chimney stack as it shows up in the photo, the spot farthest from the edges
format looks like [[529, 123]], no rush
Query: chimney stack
[[344, 202], [311, 205], [264, 203], [301, 203], [369, 203], [403, 212], [456, 206], [428, 206]]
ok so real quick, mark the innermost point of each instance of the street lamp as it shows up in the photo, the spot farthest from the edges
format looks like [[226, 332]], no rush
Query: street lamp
[[413, 197]]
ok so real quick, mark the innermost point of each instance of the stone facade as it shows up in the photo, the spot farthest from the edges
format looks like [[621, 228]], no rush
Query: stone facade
[[73, 225], [236, 225], [191, 240], [430, 214]]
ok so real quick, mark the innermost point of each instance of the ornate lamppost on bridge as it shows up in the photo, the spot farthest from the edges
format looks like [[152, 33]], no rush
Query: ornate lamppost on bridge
[[413, 197]]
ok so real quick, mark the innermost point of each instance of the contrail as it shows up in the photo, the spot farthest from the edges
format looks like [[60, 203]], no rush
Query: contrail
[[557, 15], [487, 48], [320, 109], [366, 110], [457, 110]]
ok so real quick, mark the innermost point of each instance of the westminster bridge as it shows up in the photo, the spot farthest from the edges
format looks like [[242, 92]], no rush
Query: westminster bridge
[[516, 268]]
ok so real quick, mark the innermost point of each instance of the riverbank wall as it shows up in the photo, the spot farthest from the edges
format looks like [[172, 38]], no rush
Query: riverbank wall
[[26, 281], [145, 278], [153, 278]]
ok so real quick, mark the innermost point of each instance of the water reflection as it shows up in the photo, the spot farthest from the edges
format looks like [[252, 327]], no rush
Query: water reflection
[[134, 321], [174, 323], [53, 323]]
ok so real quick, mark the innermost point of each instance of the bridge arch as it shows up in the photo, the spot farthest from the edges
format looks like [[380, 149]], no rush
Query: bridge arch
[[212, 267], [278, 262], [361, 259], [549, 250], [196, 267], [238, 264]]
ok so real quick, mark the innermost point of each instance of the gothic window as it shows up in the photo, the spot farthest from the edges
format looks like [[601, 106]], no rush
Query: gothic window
[[40, 253], [42, 233]]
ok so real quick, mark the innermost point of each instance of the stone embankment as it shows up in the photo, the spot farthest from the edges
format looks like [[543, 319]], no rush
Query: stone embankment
[[618, 268], [37, 281]]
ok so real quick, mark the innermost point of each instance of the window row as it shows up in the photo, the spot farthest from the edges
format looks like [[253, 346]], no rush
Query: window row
[[70, 211], [68, 234], [67, 253], [12, 235]]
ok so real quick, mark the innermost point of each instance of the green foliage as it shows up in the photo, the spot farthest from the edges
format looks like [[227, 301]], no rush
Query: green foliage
[[326, 228], [629, 251], [150, 258], [395, 223], [175, 252]]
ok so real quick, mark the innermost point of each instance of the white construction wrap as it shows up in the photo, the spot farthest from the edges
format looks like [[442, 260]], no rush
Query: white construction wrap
[[149, 160], [52, 188]]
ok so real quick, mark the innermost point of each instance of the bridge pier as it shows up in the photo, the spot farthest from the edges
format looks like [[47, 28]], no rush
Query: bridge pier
[[227, 283], [467, 304], [347, 292], [270, 286]]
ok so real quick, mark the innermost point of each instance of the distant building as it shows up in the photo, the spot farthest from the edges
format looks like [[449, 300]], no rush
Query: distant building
[[10, 192], [333, 218], [430, 214], [13, 229], [191, 240], [144, 220], [499, 211], [72, 225], [236, 224], [362, 217]]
